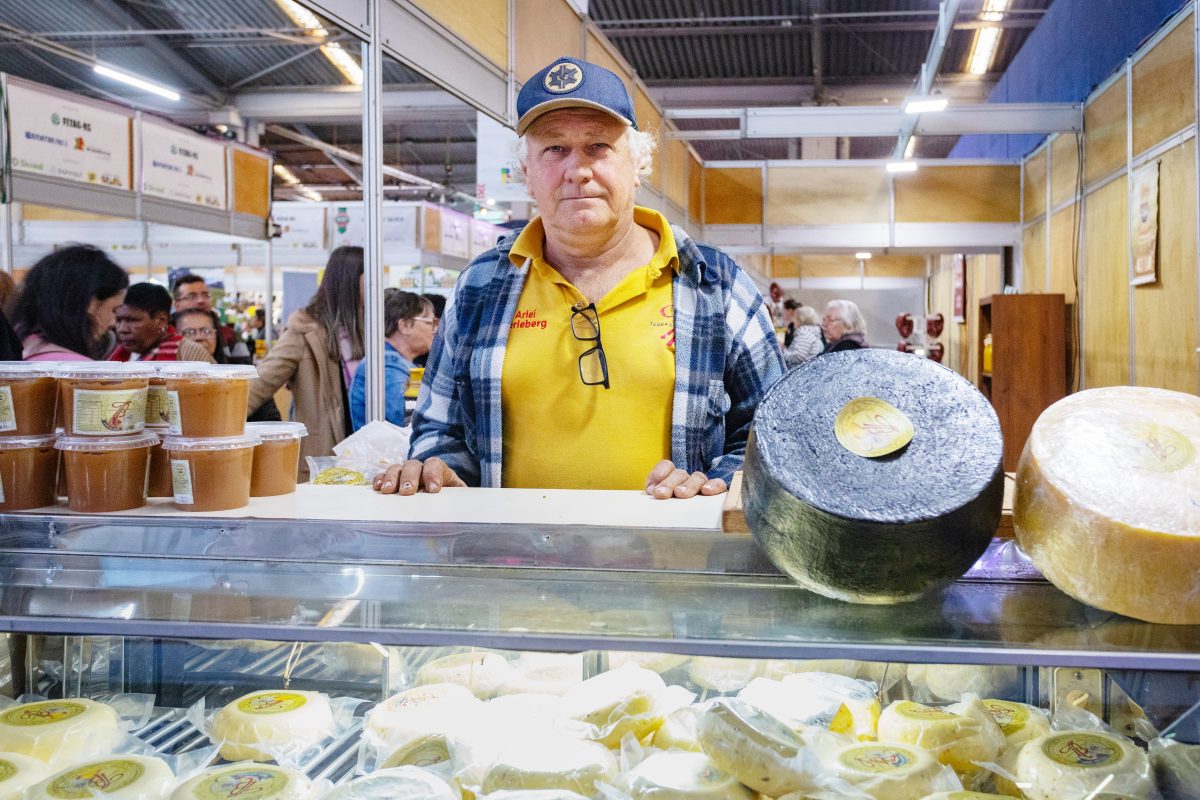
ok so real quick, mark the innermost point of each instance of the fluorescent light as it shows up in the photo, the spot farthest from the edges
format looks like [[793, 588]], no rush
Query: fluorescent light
[[983, 49], [309, 194], [346, 65], [303, 17], [925, 105], [993, 10], [286, 175], [911, 147], [902, 166], [133, 80], [862, 256], [334, 52]]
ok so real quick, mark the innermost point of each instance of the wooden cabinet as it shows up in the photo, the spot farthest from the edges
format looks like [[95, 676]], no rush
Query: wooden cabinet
[[1028, 359]]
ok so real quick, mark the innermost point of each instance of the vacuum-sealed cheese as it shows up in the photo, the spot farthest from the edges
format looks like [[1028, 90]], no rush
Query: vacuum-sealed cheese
[[657, 662], [1177, 768], [751, 745], [849, 706], [253, 781], [949, 682], [960, 741], [60, 730], [417, 711], [558, 763], [549, 674], [1108, 501], [409, 783], [678, 731], [18, 771], [723, 674], [481, 673], [886, 771], [124, 777], [1018, 722], [683, 776], [261, 725], [1077, 764], [617, 702]]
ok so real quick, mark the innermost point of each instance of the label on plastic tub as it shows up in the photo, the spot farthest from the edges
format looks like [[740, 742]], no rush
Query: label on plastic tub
[[171, 414], [156, 406], [87, 781], [8, 416], [103, 413], [181, 482]]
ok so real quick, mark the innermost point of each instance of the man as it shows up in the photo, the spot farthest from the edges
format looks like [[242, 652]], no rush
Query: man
[[144, 331], [600, 347], [191, 292], [408, 327]]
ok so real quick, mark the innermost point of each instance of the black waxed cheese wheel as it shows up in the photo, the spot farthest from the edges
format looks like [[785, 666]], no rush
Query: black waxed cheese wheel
[[873, 530]]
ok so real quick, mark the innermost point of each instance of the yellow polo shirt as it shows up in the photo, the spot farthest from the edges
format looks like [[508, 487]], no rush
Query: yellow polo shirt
[[560, 433]]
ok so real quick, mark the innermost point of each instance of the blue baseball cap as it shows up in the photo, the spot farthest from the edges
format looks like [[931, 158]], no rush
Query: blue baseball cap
[[571, 83]]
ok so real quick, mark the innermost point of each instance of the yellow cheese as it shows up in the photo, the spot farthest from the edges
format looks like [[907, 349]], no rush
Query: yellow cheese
[[948, 682], [851, 705], [409, 783], [678, 731], [481, 673], [1076, 764], [886, 771], [617, 702], [120, 777], [262, 725], [256, 781], [723, 674], [18, 771], [683, 776], [1018, 722], [60, 731], [753, 746], [417, 711], [956, 740], [559, 763], [1108, 501]]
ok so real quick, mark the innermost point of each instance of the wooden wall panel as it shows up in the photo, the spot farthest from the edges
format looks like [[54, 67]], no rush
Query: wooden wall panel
[[1105, 291], [35, 213], [1104, 133], [675, 171], [843, 265], [959, 194], [482, 24], [1165, 313], [1164, 100], [251, 184], [1062, 234], [432, 229], [1065, 151], [1033, 258], [785, 265], [1035, 186], [597, 53], [826, 195], [649, 119], [546, 29], [733, 196], [695, 203]]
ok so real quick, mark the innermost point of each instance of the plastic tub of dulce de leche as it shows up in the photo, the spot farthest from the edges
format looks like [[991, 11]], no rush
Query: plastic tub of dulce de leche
[[207, 400], [28, 398], [106, 473], [28, 465], [102, 398], [211, 473], [277, 458]]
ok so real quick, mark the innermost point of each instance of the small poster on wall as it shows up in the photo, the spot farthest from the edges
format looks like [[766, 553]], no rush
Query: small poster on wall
[[959, 277], [1144, 224]]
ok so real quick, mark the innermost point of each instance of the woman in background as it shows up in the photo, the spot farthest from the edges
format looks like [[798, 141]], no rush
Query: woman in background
[[68, 304], [844, 326], [805, 337]]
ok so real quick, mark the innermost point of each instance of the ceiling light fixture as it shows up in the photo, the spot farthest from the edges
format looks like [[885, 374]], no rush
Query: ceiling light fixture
[[864, 256], [925, 105], [993, 10], [334, 52], [345, 64], [286, 175], [133, 80], [911, 147], [983, 49], [902, 166], [309, 194]]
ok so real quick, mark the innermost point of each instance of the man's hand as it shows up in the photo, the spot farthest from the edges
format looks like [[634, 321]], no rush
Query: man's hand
[[667, 481], [412, 476]]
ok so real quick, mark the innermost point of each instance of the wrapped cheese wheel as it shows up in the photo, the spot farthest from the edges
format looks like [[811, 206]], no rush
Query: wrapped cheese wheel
[[1177, 768], [886, 771], [410, 783], [678, 731], [753, 746], [1078, 764], [683, 776], [617, 702], [232, 781], [63, 730], [418, 711], [872, 476], [559, 763], [958, 740], [481, 672], [19, 771], [261, 725], [1018, 722], [1107, 501], [123, 777]]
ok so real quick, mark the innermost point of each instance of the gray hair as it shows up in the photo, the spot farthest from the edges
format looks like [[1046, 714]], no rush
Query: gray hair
[[847, 311], [642, 145], [807, 315]]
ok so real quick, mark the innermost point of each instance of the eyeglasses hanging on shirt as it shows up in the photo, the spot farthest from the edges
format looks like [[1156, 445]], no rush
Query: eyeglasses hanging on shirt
[[585, 326]]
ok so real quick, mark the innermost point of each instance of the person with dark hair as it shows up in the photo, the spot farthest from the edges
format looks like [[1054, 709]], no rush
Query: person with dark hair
[[144, 330], [408, 327], [68, 303], [201, 327], [320, 347], [438, 301], [190, 291]]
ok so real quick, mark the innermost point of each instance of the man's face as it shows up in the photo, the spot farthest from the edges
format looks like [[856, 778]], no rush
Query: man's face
[[139, 331], [192, 295], [580, 170], [420, 330]]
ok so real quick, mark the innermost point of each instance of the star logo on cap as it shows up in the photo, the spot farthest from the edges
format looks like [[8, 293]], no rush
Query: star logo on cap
[[563, 77]]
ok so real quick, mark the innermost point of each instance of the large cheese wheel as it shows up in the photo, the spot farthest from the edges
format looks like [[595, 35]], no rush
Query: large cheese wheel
[[18, 771], [1076, 764], [61, 731], [245, 782], [873, 529], [410, 783], [683, 776], [886, 771], [753, 746], [261, 726], [1108, 501], [560, 763], [123, 777]]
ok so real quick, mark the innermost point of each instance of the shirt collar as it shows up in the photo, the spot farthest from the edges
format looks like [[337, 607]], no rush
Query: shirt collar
[[531, 242]]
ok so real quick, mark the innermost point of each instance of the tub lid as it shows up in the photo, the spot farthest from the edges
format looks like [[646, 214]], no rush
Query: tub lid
[[25, 442], [104, 444], [27, 369], [275, 431], [103, 370], [198, 443], [231, 372]]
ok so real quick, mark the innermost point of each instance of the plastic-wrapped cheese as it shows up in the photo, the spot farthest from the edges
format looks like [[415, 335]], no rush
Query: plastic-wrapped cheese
[[532, 794], [550, 674], [886, 771], [409, 783], [944, 682], [683, 776], [862, 524], [1018, 722], [678, 731], [257, 781], [617, 702], [61, 731], [723, 674], [964, 795], [1076, 764], [17, 771], [262, 725], [834, 702], [752, 746], [657, 662], [418, 711], [1108, 501], [1177, 767], [124, 777], [559, 763], [481, 673], [956, 740]]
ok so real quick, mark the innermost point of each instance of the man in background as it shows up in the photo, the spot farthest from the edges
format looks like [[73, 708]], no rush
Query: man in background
[[191, 294]]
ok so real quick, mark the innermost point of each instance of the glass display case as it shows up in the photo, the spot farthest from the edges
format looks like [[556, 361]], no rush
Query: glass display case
[[185, 609]]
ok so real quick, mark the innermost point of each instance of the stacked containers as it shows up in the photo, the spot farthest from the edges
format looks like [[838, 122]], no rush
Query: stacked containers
[[277, 458], [28, 460], [158, 420]]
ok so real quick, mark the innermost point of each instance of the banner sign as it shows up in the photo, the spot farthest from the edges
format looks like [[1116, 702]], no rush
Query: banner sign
[[182, 166]]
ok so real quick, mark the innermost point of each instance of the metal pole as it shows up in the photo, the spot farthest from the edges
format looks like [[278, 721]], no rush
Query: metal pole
[[372, 61], [6, 247], [269, 303]]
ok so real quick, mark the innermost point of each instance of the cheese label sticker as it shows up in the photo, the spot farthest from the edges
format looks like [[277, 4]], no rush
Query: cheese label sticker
[[173, 419], [428, 752], [1011, 717], [181, 482], [1153, 447], [44, 713], [103, 413], [7, 770], [870, 427], [156, 406], [87, 781], [8, 416], [245, 782], [918, 711], [271, 702], [1082, 750], [876, 758]]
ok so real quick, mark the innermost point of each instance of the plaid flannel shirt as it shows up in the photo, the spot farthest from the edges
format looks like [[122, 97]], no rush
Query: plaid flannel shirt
[[726, 357]]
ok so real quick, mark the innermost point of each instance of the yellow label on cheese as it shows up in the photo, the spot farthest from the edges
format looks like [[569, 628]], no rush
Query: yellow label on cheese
[[870, 427], [1011, 717], [917, 711], [103, 413], [427, 752], [44, 713], [1153, 447], [93, 779], [876, 758], [272, 703], [242, 782], [1082, 750]]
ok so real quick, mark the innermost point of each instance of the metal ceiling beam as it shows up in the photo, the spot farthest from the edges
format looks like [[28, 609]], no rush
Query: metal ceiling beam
[[803, 28], [329, 104], [947, 14], [799, 91]]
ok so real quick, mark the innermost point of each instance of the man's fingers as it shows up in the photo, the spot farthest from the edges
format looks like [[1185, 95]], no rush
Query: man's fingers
[[661, 470], [691, 487], [666, 487], [410, 477], [386, 481], [436, 474], [714, 486]]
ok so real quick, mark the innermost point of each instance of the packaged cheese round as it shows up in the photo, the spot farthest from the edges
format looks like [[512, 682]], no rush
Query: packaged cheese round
[[875, 671], [409, 783], [682, 776], [1018, 722], [60, 731], [523, 712], [551, 674], [1177, 768], [1107, 501], [658, 662], [262, 725], [678, 731], [250, 781], [419, 710], [558, 763], [124, 777], [849, 706], [617, 702], [751, 745], [957, 740], [18, 771], [1076, 764], [886, 771], [948, 682], [481, 673], [723, 674]]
